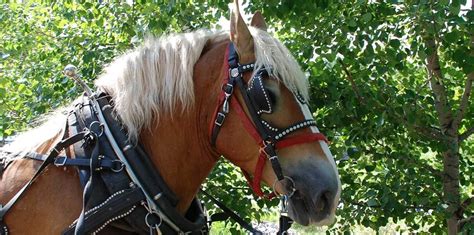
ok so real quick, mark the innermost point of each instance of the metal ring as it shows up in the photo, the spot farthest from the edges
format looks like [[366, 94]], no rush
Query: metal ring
[[100, 125], [155, 226], [120, 168], [293, 187]]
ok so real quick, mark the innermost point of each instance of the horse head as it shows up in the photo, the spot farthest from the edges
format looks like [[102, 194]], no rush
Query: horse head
[[274, 101]]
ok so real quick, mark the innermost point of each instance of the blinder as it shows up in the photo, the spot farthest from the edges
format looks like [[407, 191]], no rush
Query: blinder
[[259, 96]]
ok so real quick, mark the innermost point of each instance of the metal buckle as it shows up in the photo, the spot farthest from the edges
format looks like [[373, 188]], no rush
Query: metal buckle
[[157, 196], [56, 150], [284, 205], [228, 89], [119, 168], [99, 132], [148, 223], [58, 161], [220, 119], [273, 157], [293, 189], [225, 105], [265, 145]]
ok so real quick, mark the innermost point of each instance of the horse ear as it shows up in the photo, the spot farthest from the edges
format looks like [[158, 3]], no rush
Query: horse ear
[[240, 36], [258, 21]]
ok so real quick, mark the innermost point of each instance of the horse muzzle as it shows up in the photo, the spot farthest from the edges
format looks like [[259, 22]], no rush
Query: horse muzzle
[[316, 194]]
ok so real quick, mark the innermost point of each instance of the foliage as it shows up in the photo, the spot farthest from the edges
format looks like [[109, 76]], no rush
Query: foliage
[[366, 62], [38, 41], [367, 68]]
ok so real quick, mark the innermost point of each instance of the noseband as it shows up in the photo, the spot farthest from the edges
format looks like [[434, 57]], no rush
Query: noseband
[[267, 137]]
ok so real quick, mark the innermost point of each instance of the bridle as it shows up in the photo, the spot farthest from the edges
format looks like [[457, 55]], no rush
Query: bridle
[[269, 138]]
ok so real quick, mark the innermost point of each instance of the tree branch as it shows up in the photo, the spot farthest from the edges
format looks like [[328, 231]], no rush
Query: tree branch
[[351, 80], [463, 222], [427, 167], [439, 91], [428, 132], [465, 204], [435, 76], [467, 93], [466, 134], [433, 133]]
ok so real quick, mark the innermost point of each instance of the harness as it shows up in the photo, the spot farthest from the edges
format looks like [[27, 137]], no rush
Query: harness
[[121, 186]]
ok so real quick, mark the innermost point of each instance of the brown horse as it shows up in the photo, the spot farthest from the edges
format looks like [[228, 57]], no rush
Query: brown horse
[[166, 93]]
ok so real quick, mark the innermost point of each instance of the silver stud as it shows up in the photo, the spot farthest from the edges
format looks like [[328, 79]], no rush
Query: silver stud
[[234, 72]]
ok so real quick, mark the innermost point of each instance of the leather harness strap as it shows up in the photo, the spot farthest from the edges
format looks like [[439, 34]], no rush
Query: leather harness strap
[[229, 213]]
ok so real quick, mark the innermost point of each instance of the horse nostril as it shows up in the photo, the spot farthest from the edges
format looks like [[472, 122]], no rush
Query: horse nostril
[[322, 201], [297, 195]]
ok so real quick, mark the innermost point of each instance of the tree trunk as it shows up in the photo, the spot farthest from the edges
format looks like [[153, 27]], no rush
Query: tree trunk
[[451, 185], [449, 130]]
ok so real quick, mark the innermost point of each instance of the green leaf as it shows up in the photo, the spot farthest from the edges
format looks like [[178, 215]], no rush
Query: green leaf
[[395, 43], [352, 23], [367, 17], [369, 168], [21, 88], [451, 37]]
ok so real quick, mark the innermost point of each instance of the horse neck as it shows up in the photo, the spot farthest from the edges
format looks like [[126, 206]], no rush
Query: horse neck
[[179, 144]]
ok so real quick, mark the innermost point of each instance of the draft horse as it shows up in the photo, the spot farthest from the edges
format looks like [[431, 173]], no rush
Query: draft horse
[[131, 157]]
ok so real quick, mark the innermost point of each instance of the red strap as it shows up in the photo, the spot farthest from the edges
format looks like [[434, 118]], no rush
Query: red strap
[[287, 142], [257, 178], [248, 124], [300, 139]]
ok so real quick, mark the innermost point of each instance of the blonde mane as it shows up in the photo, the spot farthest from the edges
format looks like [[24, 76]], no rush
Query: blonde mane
[[155, 78], [158, 76]]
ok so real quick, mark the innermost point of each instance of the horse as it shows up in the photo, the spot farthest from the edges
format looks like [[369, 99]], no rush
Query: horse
[[171, 94]]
